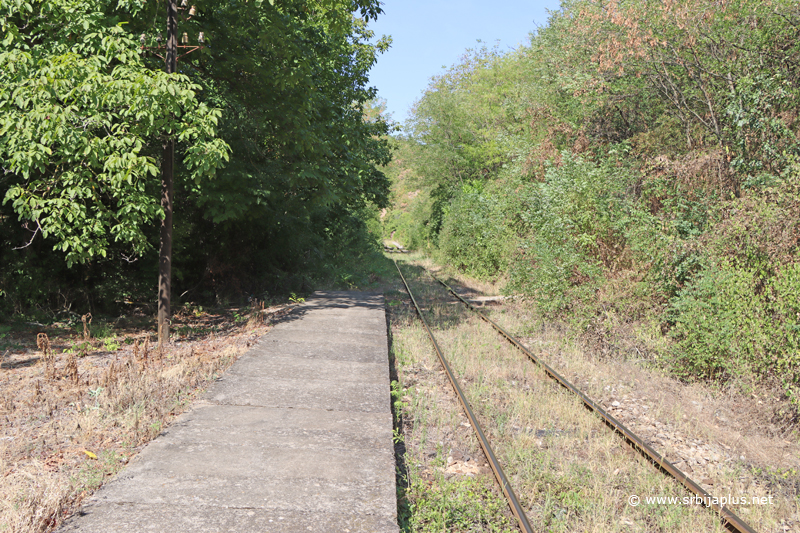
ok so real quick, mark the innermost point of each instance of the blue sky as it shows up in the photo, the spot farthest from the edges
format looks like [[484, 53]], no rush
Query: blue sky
[[429, 35]]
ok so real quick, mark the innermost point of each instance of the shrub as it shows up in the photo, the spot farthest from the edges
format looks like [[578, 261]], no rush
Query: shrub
[[573, 227], [720, 322], [734, 320], [475, 233], [409, 224]]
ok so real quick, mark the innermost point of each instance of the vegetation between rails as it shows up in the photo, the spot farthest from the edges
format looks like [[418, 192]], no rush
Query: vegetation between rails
[[568, 470]]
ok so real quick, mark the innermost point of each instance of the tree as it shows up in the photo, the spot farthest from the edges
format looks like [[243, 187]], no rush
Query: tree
[[726, 71], [81, 115], [272, 109]]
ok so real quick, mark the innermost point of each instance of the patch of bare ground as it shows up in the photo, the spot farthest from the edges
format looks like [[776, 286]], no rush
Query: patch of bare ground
[[74, 409]]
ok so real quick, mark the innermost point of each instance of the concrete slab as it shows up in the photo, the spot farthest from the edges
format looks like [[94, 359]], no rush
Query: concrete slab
[[331, 316], [297, 436], [313, 394], [333, 336], [209, 423], [330, 350], [245, 477], [284, 366], [317, 325]]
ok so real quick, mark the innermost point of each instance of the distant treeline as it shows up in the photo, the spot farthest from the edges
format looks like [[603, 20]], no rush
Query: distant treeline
[[633, 168], [277, 147]]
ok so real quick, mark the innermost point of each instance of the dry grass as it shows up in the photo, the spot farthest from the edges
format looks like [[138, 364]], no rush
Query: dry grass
[[71, 420], [443, 466], [725, 440], [569, 470]]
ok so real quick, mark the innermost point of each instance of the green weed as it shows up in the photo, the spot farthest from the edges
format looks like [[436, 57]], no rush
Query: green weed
[[95, 472], [111, 344], [458, 504]]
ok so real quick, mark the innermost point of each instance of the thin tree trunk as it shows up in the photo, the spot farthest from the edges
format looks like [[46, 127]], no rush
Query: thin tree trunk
[[167, 171], [165, 256]]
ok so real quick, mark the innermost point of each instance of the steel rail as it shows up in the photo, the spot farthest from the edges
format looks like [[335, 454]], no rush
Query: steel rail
[[731, 520], [513, 503]]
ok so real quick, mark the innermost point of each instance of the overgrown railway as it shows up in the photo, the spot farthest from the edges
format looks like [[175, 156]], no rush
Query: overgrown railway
[[730, 520]]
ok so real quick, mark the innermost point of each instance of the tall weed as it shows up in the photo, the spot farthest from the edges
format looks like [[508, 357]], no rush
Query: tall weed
[[734, 321], [476, 234], [572, 228], [740, 314]]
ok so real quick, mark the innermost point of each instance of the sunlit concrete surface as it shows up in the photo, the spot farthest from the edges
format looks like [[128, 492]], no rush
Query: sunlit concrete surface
[[297, 436]]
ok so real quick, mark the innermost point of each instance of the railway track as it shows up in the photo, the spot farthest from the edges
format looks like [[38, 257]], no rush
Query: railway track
[[730, 520]]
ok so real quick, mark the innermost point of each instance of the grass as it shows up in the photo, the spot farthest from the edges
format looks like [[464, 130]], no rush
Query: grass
[[77, 407], [457, 504], [568, 470]]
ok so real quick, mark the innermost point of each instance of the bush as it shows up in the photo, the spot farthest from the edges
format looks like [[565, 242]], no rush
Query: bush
[[476, 235], [739, 314], [734, 321], [720, 322], [573, 227], [410, 226]]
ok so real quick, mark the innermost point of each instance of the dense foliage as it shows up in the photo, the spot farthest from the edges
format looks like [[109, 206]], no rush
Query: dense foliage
[[276, 154], [634, 163]]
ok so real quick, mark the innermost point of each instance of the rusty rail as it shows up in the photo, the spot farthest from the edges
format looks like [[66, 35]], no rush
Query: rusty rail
[[513, 503], [732, 521]]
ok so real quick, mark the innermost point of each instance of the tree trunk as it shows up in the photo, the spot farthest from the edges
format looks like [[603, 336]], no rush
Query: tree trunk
[[168, 164]]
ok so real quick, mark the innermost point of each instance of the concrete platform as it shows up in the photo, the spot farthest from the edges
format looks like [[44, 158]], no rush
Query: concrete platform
[[297, 436]]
